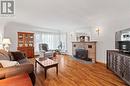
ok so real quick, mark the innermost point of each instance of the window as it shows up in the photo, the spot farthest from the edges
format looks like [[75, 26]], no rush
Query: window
[[53, 39], [37, 40]]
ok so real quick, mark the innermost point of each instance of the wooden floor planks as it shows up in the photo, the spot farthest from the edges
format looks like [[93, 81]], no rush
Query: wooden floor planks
[[74, 73]]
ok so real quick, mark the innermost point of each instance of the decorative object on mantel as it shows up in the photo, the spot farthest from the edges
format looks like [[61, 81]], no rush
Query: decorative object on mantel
[[6, 43], [80, 37], [84, 38]]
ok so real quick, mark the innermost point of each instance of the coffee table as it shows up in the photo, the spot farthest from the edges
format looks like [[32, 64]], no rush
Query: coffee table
[[46, 64]]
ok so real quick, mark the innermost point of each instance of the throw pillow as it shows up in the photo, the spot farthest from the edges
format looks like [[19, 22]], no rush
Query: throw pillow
[[4, 55], [18, 55]]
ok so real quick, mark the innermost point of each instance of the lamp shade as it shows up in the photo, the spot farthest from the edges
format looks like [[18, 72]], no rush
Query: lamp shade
[[6, 41]]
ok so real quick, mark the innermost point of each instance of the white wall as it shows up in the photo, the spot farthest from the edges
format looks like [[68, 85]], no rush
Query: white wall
[[2, 24], [11, 29], [106, 39]]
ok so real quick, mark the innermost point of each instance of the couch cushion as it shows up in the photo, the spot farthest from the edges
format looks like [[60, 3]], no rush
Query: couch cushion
[[18, 55], [23, 61], [4, 55], [11, 56], [7, 63]]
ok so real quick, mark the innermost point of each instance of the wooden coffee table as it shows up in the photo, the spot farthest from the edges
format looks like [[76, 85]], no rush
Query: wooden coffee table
[[46, 64]]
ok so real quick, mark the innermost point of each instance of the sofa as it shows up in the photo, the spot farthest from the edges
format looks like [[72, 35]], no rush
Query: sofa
[[23, 66]]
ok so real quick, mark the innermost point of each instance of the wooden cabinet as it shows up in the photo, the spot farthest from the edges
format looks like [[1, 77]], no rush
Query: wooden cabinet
[[26, 43], [90, 46], [120, 64]]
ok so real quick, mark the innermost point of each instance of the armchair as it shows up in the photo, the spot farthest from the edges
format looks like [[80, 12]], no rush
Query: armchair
[[43, 48]]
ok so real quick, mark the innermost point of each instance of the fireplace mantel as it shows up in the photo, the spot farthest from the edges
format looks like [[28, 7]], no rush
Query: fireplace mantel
[[90, 46], [86, 42]]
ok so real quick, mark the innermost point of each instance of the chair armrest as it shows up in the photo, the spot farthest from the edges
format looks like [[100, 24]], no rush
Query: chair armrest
[[15, 70], [51, 50]]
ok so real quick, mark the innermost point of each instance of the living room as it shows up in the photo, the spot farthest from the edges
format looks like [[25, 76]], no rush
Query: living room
[[65, 27]]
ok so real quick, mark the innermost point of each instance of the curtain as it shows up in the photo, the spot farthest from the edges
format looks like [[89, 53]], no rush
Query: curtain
[[37, 41], [53, 39], [63, 39]]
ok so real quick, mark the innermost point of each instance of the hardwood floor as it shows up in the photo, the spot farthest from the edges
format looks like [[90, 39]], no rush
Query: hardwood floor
[[73, 73]]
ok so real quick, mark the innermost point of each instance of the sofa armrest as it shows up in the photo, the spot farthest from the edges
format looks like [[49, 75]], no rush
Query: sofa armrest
[[15, 70]]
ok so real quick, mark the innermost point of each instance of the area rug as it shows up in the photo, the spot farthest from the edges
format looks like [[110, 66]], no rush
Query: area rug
[[81, 61], [18, 80]]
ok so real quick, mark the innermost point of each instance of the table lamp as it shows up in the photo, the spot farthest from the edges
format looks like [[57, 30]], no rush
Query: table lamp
[[6, 42]]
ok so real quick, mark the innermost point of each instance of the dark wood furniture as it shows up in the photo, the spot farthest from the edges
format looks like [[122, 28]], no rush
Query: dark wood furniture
[[46, 64], [119, 63], [26, 43]]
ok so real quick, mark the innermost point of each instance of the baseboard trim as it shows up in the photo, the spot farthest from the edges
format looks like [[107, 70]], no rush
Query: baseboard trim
[[101, 63]]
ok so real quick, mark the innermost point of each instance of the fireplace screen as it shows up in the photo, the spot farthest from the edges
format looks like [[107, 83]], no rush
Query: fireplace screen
[[82, 54]]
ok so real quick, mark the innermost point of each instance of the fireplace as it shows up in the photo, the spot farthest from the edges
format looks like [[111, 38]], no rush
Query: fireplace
[[88, 47], [82, 54]]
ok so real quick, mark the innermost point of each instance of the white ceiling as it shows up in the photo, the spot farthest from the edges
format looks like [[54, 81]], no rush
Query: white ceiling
[[69, 14]]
